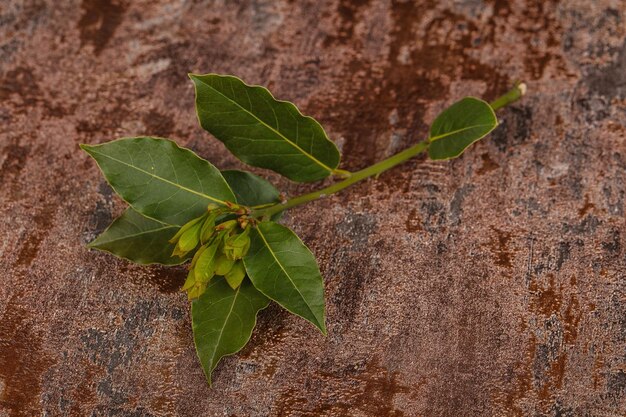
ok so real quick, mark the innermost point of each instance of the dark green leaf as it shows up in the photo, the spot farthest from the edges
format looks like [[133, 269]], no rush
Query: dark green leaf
[[159, 179], [223, 320], [139, 239], [284, 269], [262, 131], [459, 126], [251, 190]]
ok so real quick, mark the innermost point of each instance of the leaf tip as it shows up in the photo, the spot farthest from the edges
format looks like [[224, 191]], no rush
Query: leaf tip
[[321, 325]]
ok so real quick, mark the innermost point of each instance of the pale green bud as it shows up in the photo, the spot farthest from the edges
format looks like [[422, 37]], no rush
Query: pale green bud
[[208, 228], [190, 281], [197, 290], [205, 265], [236, 246], [228, 225], [223, 265], [235, 276], [184, 228], [188, 240]]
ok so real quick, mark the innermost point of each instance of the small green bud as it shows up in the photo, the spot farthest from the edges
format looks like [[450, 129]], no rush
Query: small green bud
[[197, 255], [205, 265], [197, 290], [212, 207], [236, 246], [185, 227], [190, 281], [223, 265], [188, 240], [235, 275], [207, 231], [228, 225], [193, 287]]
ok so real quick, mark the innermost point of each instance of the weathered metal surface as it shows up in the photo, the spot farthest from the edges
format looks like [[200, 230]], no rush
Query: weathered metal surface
[[492, 285]]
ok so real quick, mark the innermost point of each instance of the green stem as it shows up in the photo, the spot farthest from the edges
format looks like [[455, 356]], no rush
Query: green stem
[[514, 94], [509, 97]]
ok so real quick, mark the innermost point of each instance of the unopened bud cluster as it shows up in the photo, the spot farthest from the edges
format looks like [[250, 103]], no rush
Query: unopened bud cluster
[[223, 241]]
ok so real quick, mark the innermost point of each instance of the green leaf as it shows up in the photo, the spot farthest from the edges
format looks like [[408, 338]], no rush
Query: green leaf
[[223, 319], [138, 239], [460, 125], [159, 179], [262, 131], [251, 190], [284, 269]]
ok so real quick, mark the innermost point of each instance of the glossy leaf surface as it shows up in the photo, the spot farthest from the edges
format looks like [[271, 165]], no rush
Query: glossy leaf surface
[[262, 131], [159, 179], [284, 269], [223, 320], [251, 190], [138, 239], [460, 125]]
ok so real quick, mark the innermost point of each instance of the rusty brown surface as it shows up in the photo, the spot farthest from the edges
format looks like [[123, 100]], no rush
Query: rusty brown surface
[[492, 285]]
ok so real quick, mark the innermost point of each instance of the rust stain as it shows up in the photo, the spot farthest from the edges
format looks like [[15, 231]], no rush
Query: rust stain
[[347, 10], [586, 208], [291, 400], [98, 23], [368, 392], [522, 384], [500, 248], [540, 30], [598, 367], [553, 382], [413, 221], [571, 319], [23, 361], [546, 301], [15, 157], [167, 280], [488, 165], [42, 223], [21, 82], [85, 388]]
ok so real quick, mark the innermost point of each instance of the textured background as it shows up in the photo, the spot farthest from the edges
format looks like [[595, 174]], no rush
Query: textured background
[[492, 285]]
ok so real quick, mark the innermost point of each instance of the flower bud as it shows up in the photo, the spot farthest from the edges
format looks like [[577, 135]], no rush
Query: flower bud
[[197, 255], [197, 290], [205, 265], [223, 265], [208, 227], [228, 225], [236, 246], [188, 240], [236, 274], [190, 281], [193, 287], [184, 228]]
